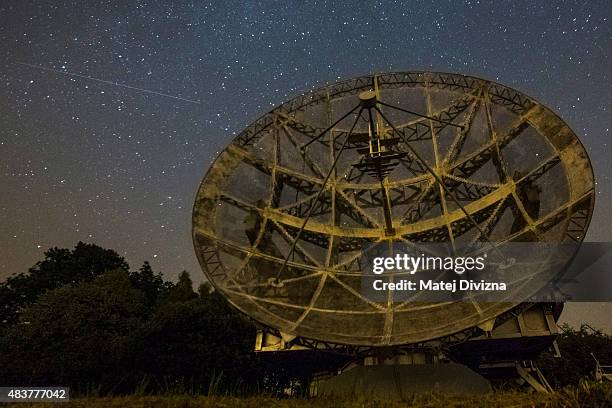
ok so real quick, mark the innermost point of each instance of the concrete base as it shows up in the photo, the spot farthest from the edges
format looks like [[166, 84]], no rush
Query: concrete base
[[399, 381]]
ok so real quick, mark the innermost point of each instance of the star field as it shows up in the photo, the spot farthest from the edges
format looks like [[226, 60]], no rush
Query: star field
[[109, 160]]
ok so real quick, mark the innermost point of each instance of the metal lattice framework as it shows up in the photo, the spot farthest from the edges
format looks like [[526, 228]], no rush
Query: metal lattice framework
[[284, 213]]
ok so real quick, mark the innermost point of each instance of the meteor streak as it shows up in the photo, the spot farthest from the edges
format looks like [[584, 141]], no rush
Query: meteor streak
[[57, 71]]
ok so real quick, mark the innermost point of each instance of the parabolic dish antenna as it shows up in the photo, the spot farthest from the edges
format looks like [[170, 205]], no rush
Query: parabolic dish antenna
[[284, 214]]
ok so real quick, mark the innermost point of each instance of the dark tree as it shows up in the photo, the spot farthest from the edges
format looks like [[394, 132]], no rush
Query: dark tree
[[75, 335], [60, 267], [183, 289], [198, 339], [150, 283], [576, 360]]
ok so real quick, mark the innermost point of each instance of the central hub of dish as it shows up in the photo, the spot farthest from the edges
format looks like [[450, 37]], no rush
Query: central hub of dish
[[368, 99]]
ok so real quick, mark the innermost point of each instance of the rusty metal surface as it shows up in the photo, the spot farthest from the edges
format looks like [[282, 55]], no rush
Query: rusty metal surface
[[279, 228]]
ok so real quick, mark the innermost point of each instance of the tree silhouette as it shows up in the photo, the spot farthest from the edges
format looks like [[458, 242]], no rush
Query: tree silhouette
[[197, 339], [113, 329], [576, 362], [60, 267], [183, 290], [75, 333], [151, 284]]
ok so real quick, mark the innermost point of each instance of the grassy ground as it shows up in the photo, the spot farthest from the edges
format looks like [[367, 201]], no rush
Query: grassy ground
[[586, 395]]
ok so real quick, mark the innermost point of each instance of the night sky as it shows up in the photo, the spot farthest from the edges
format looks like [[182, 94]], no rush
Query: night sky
[[108, 140]]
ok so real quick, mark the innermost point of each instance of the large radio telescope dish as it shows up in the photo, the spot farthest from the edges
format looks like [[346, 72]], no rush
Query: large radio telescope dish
[[283, 214]]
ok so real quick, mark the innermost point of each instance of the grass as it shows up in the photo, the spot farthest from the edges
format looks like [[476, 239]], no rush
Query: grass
[[585, 395]]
